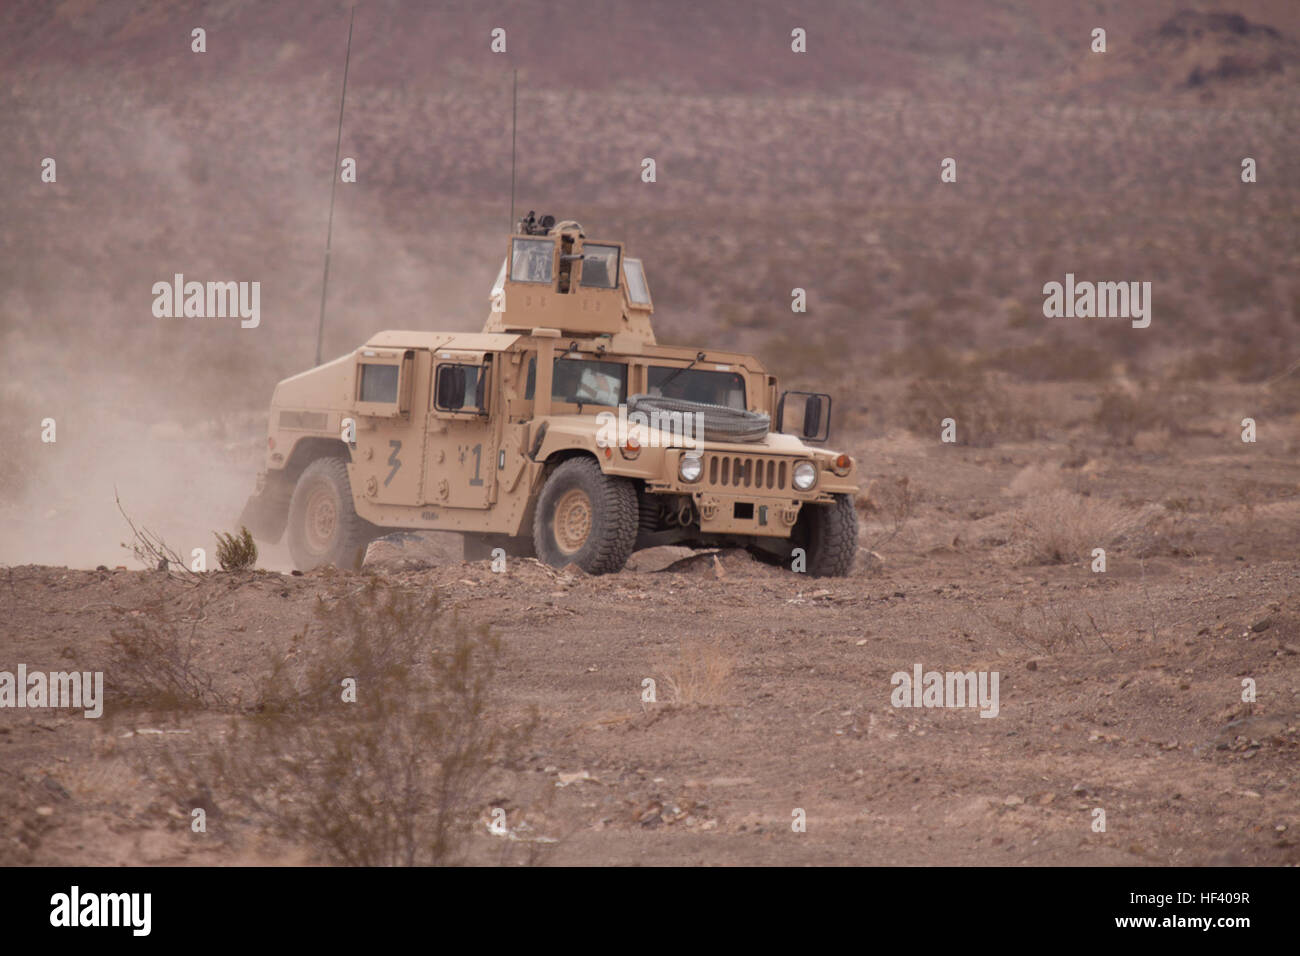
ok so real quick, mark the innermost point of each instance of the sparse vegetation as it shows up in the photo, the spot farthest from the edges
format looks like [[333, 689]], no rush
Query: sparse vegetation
[[236, 552], [700, 676], [1061, 527], [150, 549], [1051, 626], [153, 659], [983, 412], [371, 742], [891, 503]]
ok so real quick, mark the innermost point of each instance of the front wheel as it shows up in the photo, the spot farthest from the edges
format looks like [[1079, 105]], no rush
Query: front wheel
[[830, 537], [585, 517], [324, 527]]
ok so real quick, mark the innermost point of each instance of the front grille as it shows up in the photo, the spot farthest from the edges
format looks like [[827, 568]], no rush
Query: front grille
[[740, 471]]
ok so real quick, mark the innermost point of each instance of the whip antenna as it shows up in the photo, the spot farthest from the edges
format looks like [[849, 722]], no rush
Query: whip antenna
[[514, 115], [334, 182]]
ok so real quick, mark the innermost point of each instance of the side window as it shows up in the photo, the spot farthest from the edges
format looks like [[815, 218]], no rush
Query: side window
[[378, 383], [581, 381], [461, 388], [637, 290]]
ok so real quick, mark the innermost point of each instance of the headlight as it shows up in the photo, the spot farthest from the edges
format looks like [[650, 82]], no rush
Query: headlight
[[690, 468], [805, 475]]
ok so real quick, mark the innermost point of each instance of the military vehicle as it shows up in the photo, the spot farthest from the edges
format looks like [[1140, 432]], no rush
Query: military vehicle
[[561, 431]]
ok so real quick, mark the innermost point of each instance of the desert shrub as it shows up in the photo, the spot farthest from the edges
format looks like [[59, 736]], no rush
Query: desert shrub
[[1166, 529], [1053, 625], [370, 743], [984, 413], [1168, 409], [236, 552], [700, 675], [153, 659], [1061, 527], [1051, 362], [891, 503]]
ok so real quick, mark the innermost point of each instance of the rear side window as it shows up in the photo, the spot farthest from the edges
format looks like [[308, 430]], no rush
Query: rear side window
[[379, 383]]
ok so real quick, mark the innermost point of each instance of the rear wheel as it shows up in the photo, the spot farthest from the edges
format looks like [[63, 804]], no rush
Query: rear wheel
[[324, 527], [585, 517]]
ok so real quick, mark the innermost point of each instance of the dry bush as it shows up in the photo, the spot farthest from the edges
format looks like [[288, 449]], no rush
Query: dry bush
[[1168, 411], [1051, 362], [152, 659], [984, 413], [1051, 626], [891, 503], [152, 551], [236, 552], [1167, 529], [395, 777], [701, 675], [1061, 527]]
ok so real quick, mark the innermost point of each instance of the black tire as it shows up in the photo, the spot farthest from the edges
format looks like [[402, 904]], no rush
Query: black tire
[[830, 537], [598, 516], [324, 528]]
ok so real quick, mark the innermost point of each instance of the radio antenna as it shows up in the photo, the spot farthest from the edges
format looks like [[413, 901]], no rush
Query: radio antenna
[[514, 117], [334, 182]]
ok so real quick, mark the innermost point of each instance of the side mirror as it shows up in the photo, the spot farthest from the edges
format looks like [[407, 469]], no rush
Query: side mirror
[[816, 423], [812, 417], [451, 387]]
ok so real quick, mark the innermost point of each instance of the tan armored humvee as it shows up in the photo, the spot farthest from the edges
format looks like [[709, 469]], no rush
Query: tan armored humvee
[[562, 430]]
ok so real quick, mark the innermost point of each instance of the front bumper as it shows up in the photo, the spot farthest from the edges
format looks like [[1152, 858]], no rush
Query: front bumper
[[747, 515]]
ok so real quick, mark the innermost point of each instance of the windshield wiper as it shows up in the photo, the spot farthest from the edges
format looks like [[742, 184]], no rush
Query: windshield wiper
[[699, 357]]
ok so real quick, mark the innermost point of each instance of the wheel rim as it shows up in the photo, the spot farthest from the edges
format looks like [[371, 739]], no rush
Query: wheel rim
[[572, 521], [320, 520]]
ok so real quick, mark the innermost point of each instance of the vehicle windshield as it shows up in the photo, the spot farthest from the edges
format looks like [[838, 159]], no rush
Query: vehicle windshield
[[582, 382], [697, 385]]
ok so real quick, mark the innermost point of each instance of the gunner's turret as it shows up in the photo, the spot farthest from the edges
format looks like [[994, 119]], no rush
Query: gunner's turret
[[554, 277]]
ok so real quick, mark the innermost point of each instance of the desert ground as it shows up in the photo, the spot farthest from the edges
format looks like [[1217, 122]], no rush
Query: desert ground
[[1125, 690], [1119, 690]]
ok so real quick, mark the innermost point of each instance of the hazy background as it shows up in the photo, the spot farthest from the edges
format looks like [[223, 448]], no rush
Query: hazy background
[[775, 170]]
